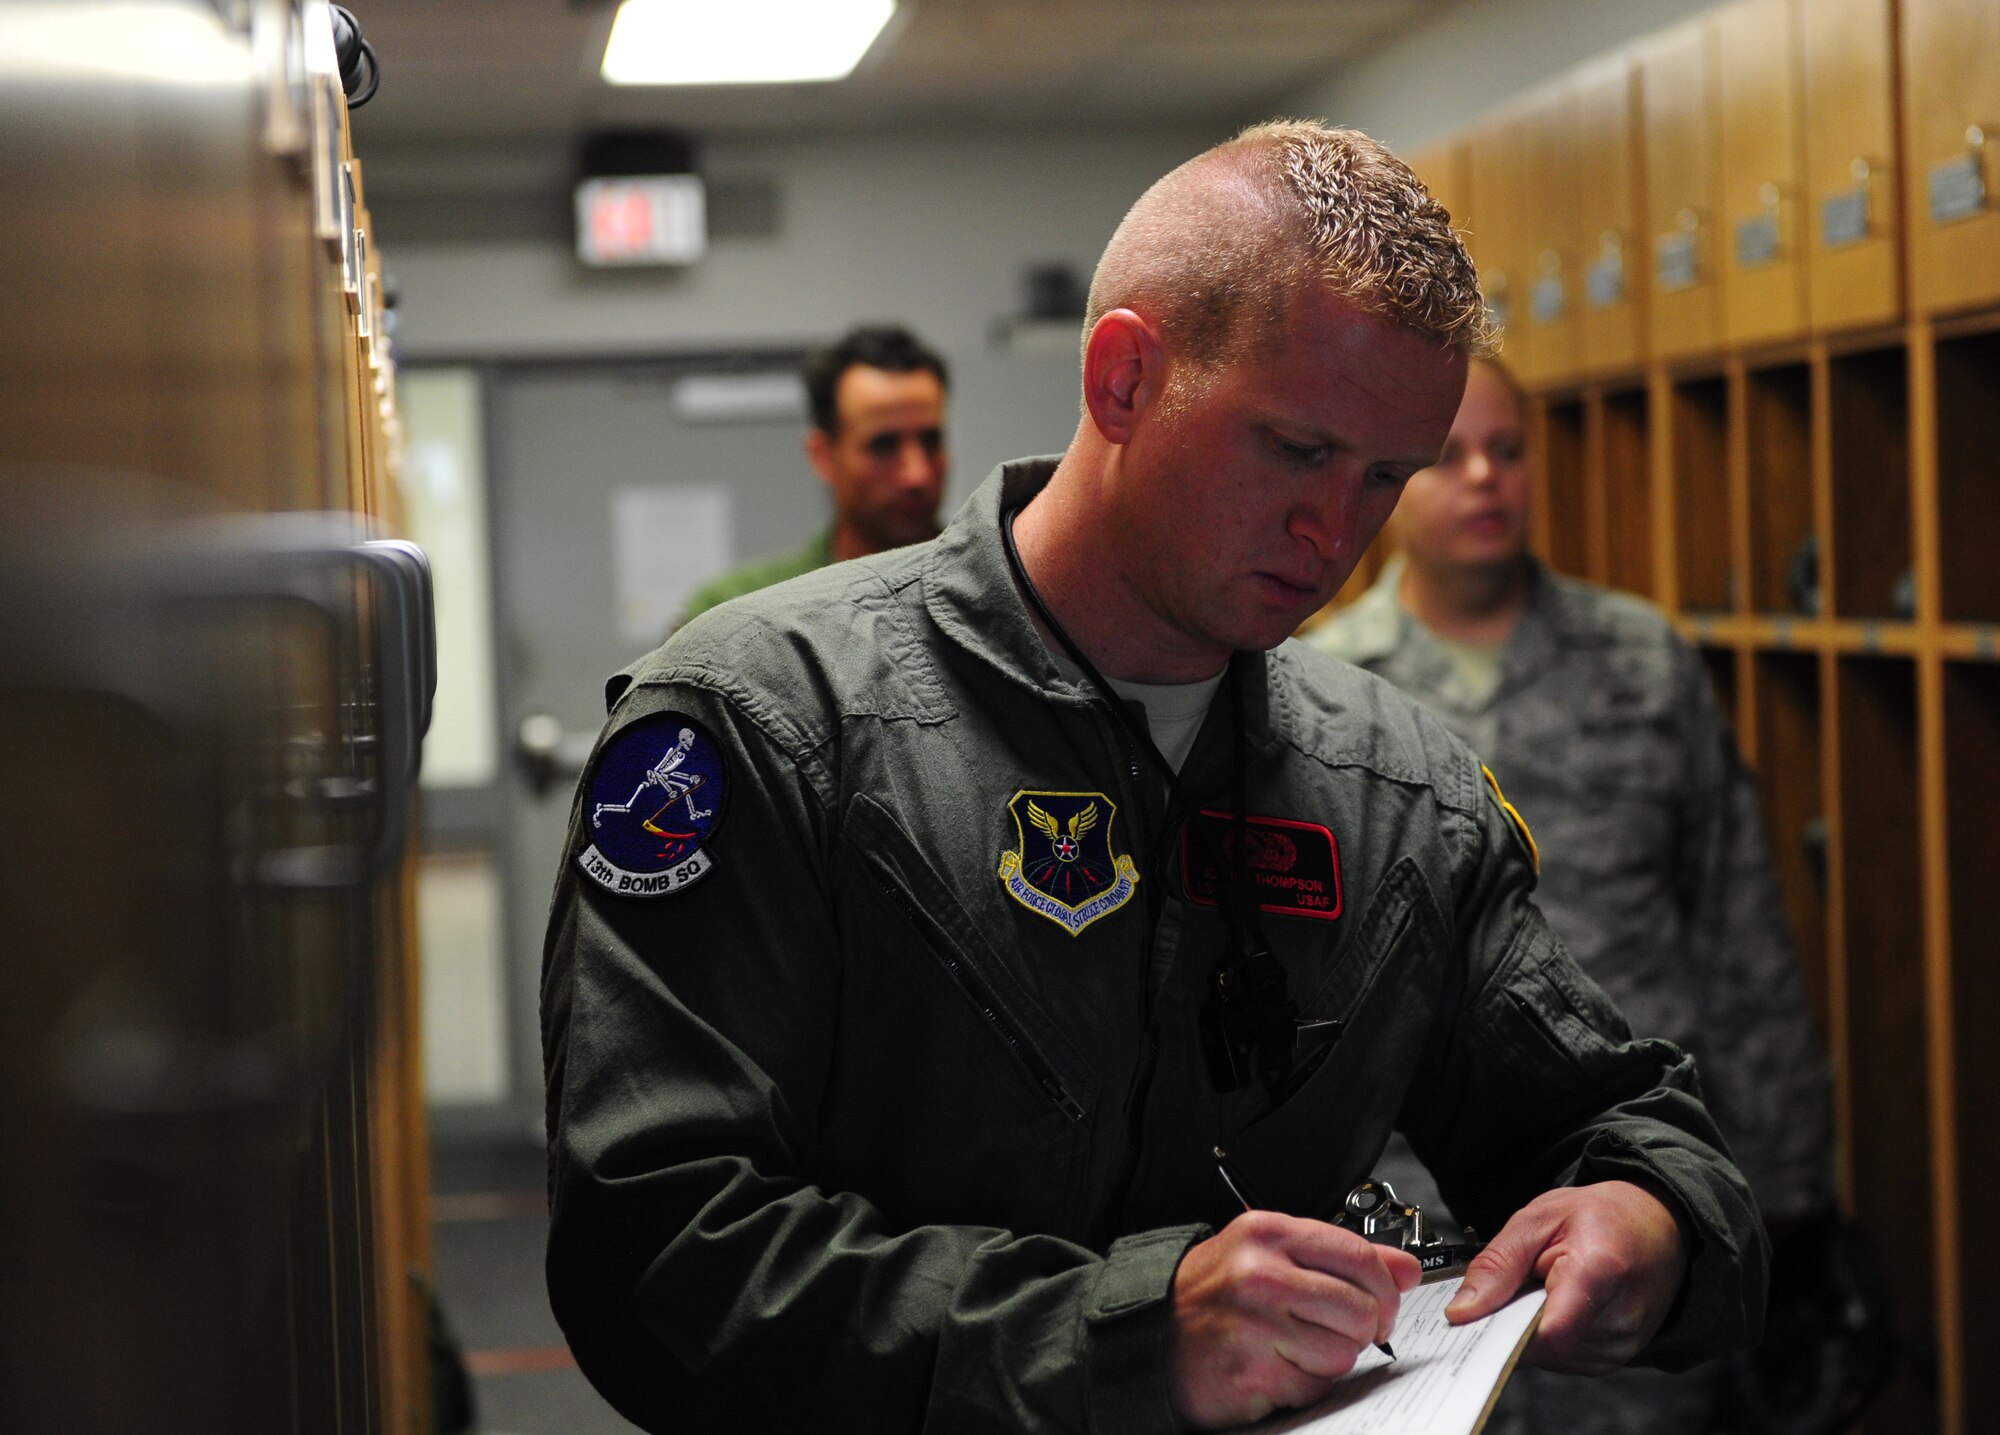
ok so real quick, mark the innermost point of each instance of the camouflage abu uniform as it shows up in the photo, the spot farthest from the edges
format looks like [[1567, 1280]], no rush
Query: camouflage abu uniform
[[1655, 873]]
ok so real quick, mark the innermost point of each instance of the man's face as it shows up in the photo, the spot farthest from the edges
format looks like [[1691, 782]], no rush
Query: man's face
[[886, 464], [1468, 512], [1249, 492]]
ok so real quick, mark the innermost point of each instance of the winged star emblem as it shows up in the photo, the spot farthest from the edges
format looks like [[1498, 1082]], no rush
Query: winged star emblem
[[1068, 872], [1065, 845]]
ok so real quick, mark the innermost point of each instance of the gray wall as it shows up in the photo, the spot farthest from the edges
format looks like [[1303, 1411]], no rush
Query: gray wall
[[1467, 59], [934, 231]]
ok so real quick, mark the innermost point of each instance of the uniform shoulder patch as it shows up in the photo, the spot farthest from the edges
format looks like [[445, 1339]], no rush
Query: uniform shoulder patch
[[1513, 815], [655, 798], [1063, 867]]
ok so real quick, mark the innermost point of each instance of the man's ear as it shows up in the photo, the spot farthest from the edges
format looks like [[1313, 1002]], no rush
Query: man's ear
[[1124, 373], [819, 453]]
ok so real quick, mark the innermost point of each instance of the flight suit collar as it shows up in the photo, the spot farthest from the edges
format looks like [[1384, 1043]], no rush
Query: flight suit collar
[[969, 592]]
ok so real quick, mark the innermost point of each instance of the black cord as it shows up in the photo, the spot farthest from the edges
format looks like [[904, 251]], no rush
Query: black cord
[[352, 50], [1249, 1017]]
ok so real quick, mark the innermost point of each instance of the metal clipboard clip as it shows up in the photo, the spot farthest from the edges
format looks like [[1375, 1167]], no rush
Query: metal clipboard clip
[[1375, 1212]]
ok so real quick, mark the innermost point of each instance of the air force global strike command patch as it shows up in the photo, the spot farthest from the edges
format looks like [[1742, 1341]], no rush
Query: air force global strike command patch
[[656, 798], [1063, 868]]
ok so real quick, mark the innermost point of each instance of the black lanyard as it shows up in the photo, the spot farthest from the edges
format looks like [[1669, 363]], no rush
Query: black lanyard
[[1249, 1023]]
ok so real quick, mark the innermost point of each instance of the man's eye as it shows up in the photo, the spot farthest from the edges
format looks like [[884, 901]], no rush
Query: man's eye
[[1388, 477], [883, 445], [1299, 452]]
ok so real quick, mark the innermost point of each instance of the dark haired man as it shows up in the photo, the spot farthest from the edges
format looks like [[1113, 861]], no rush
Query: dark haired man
[[877, 443]]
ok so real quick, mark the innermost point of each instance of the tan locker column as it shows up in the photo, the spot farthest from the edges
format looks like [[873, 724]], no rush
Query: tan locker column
[[1609, 201], [1853, 206], [1762, 235], [1497, 164], [1951, 127], [1678, 96], [1550, 234]]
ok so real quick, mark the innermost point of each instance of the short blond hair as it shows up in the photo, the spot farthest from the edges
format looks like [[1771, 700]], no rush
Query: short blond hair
[[1215, 251]]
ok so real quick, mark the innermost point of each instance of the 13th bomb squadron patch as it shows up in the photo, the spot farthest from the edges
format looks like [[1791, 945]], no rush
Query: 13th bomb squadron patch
[[655, 800]]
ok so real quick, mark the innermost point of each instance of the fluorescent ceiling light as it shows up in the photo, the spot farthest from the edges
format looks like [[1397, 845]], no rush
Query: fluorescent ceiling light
[[740, 42]]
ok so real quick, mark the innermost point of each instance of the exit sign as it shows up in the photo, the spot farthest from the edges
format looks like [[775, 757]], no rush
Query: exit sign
[[641, 219]]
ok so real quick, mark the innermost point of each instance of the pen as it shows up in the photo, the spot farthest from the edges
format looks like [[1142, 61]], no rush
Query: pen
[[1241, 1191]]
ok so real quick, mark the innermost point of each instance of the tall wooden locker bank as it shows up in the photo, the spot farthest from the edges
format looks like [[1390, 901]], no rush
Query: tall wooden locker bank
[[215, 666], [1765, 369]]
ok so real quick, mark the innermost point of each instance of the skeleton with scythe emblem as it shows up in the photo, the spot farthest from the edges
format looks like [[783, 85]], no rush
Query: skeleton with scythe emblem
[[678, 786]]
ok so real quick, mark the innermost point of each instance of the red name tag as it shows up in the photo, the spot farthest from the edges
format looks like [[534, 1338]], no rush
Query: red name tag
[[1294, 866]]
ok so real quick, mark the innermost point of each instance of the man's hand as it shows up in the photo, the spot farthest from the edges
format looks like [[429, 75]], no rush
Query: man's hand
[[1613, 1259], [1270, 1311]]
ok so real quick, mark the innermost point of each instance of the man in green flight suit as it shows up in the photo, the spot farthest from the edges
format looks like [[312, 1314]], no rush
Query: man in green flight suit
[[928, 924], [876, 442]]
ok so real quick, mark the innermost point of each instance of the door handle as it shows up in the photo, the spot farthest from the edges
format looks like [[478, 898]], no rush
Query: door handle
[[550, 754]]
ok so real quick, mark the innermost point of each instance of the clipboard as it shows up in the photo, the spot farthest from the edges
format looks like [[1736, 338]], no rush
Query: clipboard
[[1444, 1380]]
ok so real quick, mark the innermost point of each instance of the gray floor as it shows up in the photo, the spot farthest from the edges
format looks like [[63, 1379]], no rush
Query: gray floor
[[489, 1234]]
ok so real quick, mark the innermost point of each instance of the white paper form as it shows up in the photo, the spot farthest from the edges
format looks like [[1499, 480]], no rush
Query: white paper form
[[1440, 1383]]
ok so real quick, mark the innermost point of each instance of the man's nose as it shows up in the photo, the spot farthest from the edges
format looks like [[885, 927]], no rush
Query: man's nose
[[917, 463], [1325, 522], [1478, 467]]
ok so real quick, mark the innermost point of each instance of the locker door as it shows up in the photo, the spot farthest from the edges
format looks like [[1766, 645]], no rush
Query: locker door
[[1609, 194], [1853, 208], [1498, 168], [1763, 159], [1951, 89], [1550, 232], [1678, 95]]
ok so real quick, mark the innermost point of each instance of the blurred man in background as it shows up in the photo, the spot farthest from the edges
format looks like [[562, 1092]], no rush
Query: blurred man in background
[[877, 443]]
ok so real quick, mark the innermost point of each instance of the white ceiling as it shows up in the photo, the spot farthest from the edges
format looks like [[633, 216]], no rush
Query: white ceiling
[[458, 72]]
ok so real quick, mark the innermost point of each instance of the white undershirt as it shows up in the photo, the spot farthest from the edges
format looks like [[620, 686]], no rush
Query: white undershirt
[[1174, 711]]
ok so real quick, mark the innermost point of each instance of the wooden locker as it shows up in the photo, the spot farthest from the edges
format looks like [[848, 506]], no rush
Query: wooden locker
[[1677, 87], [1853, 207], [1550, 235], [1951, 125], [1497, 173], [1609, 199], [1762, 235]]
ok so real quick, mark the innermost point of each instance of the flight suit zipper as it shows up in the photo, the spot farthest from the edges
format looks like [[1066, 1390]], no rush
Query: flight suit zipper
[[1037, 1068]]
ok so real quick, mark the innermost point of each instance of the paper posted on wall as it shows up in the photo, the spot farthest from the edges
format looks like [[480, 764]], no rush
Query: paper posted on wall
[[1443, 1380]]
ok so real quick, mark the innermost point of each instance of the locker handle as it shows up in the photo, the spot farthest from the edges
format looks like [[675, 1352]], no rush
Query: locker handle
[[289, 557]]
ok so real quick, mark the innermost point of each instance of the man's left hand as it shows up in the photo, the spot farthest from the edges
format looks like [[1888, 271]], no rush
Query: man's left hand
[[1613, 1259]]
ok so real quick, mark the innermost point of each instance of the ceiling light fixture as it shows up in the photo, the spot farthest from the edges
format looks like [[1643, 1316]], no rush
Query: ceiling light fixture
[[742, 42]]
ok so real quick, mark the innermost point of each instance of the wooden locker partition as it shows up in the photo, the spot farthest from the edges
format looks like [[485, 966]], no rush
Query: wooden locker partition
[[1608, 198], [1797, 459], [1761, 234], [1499, 161], [1951, 125], [1551, 243], [1853, 211], [1679, 99]]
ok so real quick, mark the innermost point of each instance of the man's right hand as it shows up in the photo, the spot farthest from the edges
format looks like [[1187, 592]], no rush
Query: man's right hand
[[1270, 1311]]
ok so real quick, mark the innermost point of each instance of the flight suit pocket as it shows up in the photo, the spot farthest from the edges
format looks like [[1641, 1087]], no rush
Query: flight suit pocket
[[946, 1037], [1314, 1146]]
